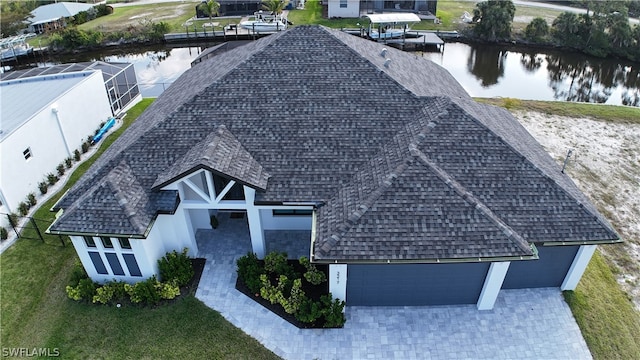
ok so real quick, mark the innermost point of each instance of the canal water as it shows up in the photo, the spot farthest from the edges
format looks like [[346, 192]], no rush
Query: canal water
[[483, 70]]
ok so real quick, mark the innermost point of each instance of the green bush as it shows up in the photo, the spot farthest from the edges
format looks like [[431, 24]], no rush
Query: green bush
[[111, 291], [4, 235], [84, 147], [31, 199], [60, 169], [168, 290], [68, 162], [273, 294], [144, 292], [249, 271], [176, 267], [332, 311], [293, 303], [312, 275], [13, 219], [43, 187], [85, 290], [309, 311], [51, 179], [23, 208], [76, 155], [77, 273], [276, 263]]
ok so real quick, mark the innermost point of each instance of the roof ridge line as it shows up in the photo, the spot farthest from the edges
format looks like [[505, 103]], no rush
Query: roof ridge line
[[470, 198]]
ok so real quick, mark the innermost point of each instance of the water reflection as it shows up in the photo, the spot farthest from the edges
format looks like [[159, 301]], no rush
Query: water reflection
[[486, 64], [489, 71]]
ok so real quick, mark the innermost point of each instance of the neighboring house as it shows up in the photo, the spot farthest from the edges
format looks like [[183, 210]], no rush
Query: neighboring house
[[44, 119], [410, 191], [53, 16], [357, 8], [120, 80]]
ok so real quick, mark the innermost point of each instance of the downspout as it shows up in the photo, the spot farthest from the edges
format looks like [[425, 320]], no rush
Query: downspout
[[54, 110]]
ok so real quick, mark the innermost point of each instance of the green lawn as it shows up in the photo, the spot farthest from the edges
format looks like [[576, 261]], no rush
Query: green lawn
[[35, 311]]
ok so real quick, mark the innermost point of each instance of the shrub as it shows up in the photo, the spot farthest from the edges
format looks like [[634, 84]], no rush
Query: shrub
[[176, 267], [23, 208], [144, 292], [293, 303], [85, 290], [537, 29], [111, 291], [168, 290], [68, 162], [332, 311], [84, 147], [60, 169], [274, 294], [276, 263], [51, 179], [31, 199], [309, 311], [249, 271], [43, 187], [76, 155], [312, 275], [4, 235], [13, 219], [77, 273]]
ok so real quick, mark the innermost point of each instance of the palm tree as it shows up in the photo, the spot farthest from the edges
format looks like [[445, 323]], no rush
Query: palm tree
[[210, 8], [274, 6]]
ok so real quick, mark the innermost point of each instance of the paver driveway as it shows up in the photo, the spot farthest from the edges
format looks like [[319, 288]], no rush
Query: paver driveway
[[525, 324]]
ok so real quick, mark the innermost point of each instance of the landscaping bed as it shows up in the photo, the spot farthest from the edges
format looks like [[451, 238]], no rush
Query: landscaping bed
[[295, 290]]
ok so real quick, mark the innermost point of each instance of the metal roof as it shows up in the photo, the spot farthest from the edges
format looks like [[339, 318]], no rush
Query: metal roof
[[21, 99], [389, 18], [52, 12]]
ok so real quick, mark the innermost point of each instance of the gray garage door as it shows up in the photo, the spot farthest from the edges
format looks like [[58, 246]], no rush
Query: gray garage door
[[415, 284], [549, 271]]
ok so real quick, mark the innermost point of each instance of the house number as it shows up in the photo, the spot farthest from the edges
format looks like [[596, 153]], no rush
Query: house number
[[337, 277]]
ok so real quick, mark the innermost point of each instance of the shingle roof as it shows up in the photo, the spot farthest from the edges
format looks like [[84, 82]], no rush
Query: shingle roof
[[321, 113], [219, 152]]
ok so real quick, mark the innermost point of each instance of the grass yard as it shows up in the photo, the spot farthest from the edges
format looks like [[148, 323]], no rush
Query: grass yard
[[608, 321], [35, 310]]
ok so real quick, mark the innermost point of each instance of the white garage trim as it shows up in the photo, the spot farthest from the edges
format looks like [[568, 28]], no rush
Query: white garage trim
[[578, 266], [492, 285], [338, 281]]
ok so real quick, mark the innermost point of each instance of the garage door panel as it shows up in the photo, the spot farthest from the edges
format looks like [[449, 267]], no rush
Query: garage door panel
[[415, 284], [548, 271]]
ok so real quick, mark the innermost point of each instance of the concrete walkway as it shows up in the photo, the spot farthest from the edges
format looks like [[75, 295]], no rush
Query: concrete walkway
[[525, 324]]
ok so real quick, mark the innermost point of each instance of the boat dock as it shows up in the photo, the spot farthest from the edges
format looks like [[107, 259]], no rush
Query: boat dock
[[412, 39]]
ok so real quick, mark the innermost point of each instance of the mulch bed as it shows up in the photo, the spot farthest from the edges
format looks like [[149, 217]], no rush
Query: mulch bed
[[192, 286], [312, 291]]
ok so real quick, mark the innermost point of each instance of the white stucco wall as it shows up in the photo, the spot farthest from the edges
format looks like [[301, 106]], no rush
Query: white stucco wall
[[270, 222], [351, 11], [80, 111]]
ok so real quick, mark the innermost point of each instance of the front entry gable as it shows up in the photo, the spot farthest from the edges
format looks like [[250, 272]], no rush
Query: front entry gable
[[221, 154]]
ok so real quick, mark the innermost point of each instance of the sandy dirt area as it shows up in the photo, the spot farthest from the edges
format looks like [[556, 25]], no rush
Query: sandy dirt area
[[605, 164]]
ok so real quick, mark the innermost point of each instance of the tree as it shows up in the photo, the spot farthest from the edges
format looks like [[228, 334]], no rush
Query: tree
[[537, 29], [13, 15], [565, 29], [210, 8], [493, 19], [275, 6]]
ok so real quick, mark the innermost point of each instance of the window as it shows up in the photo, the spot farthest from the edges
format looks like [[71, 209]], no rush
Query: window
[[292, 212], [343, 3], [27, 153], [106, 242], [88, 240], [97, 262], [132, 264], [124, 243], [112, 258]]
